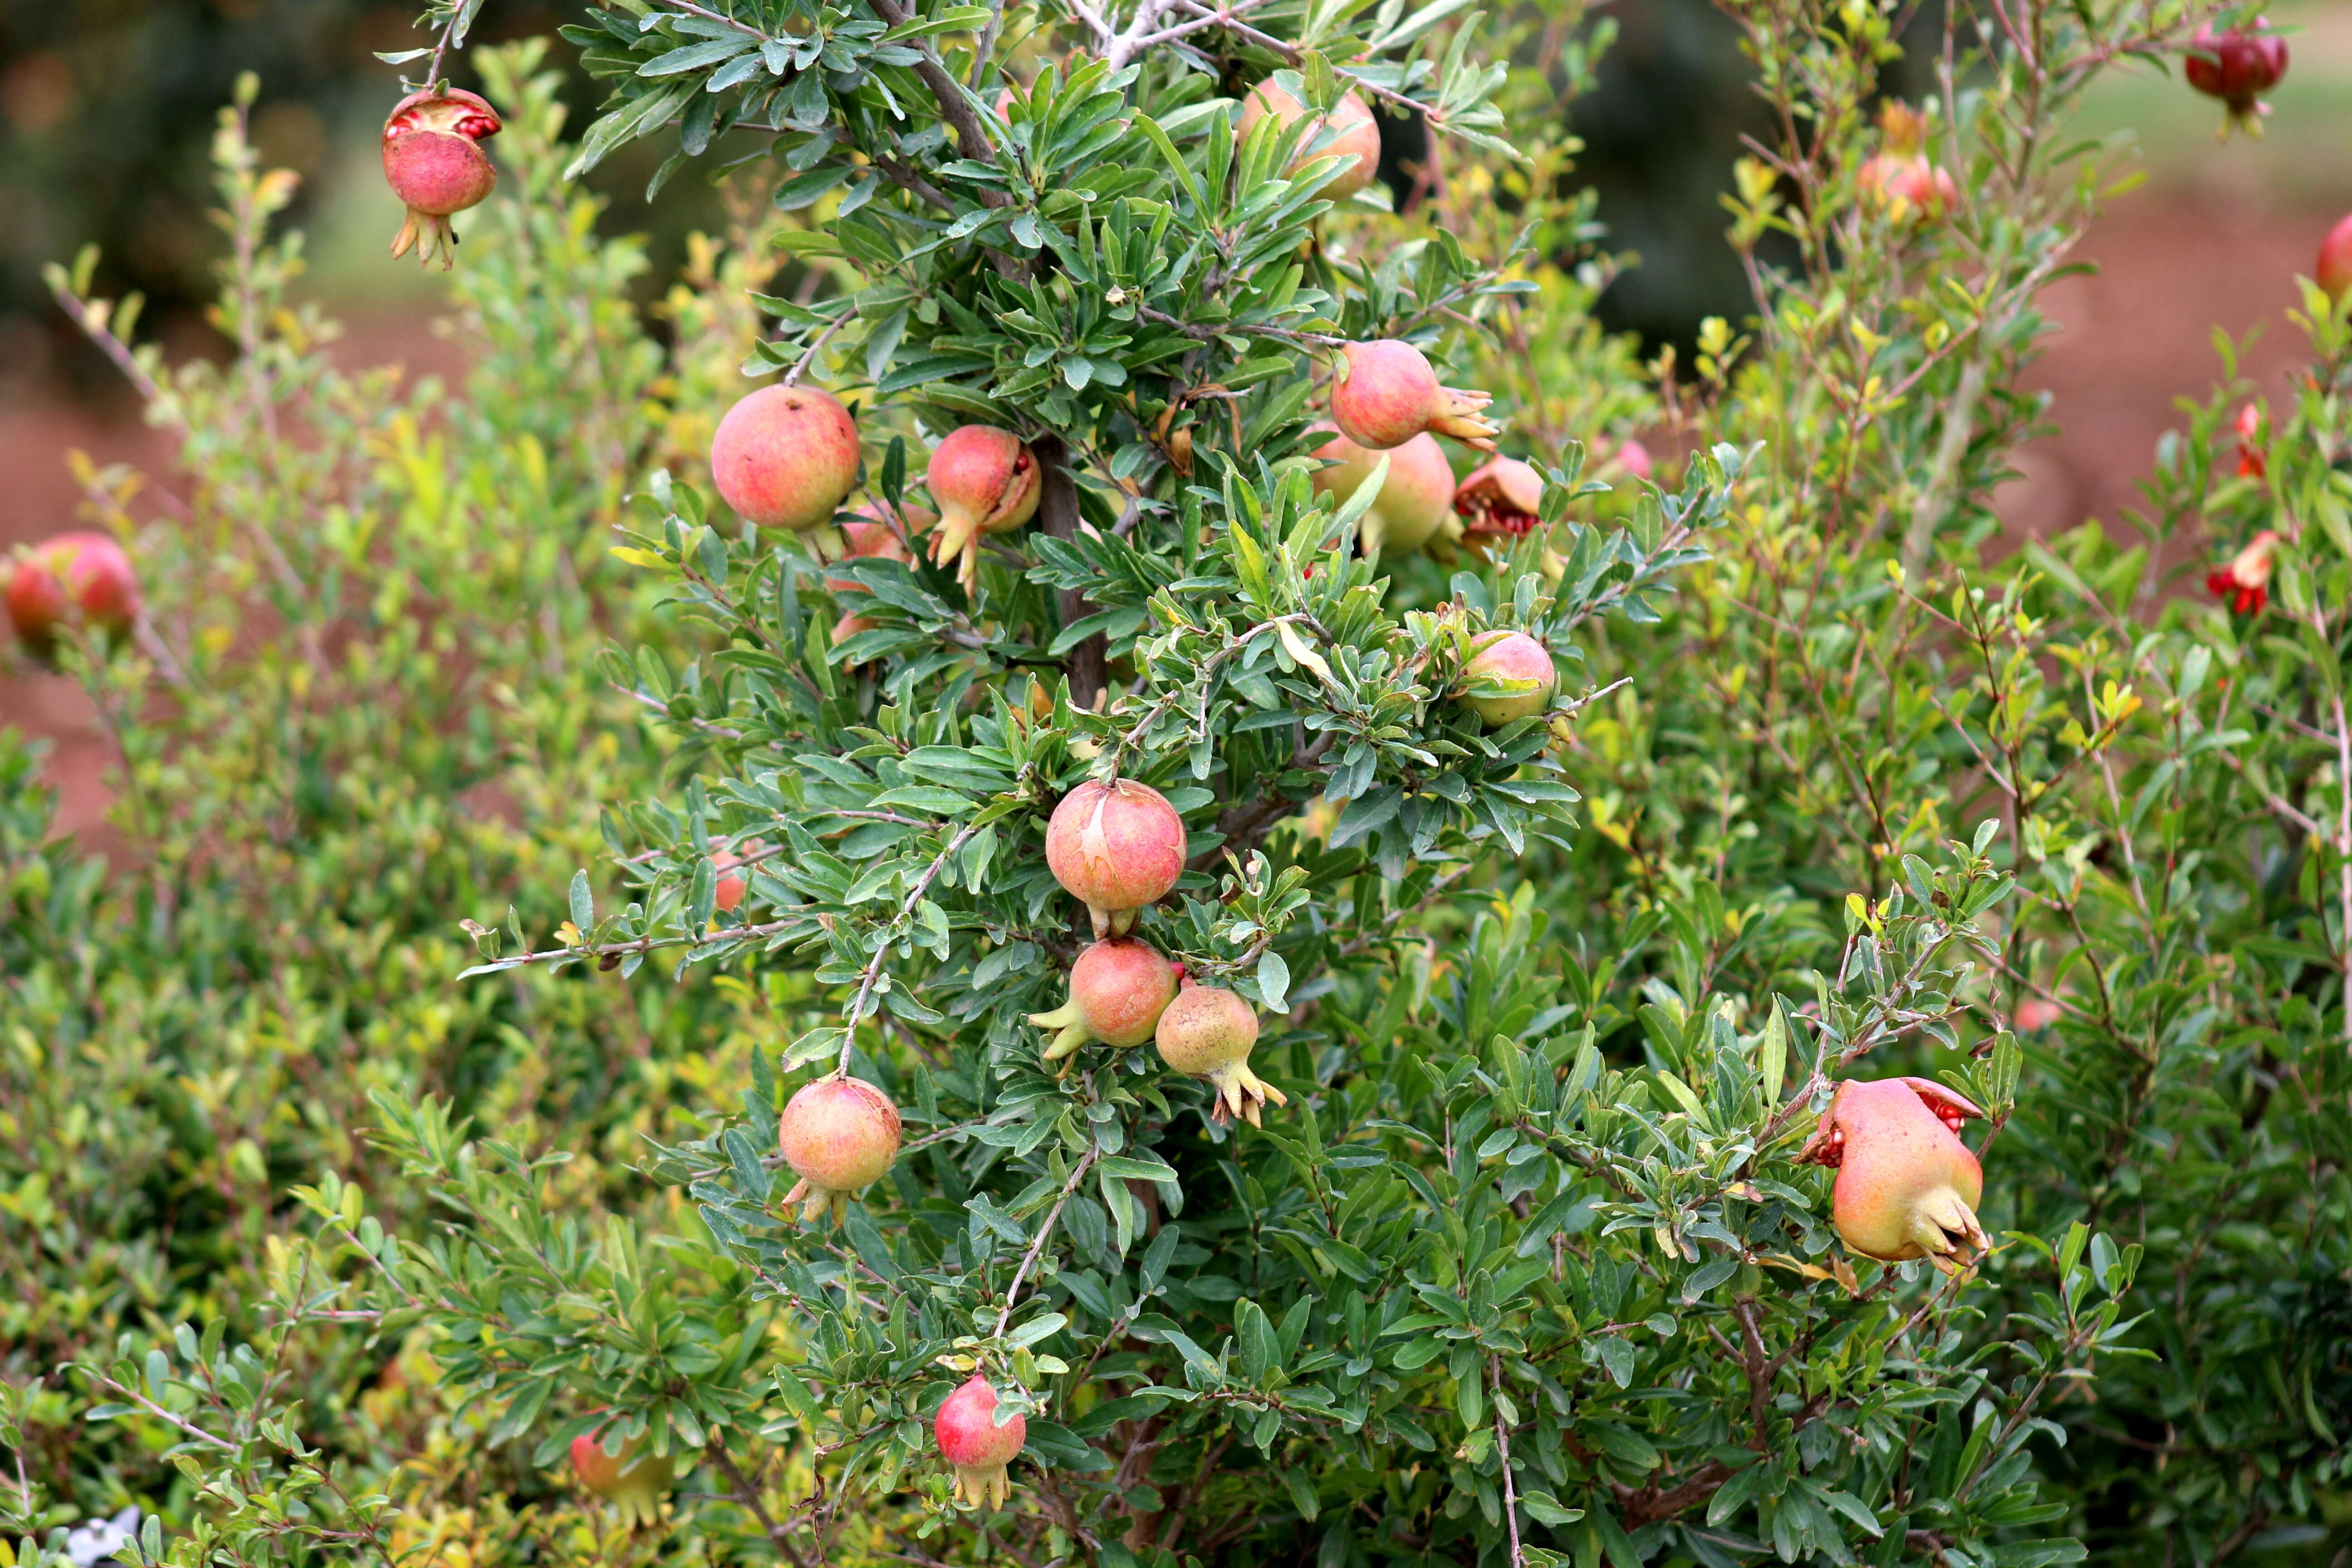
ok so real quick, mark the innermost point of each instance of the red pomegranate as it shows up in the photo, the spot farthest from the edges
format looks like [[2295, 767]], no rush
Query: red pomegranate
[[2237, 66], [1519, 659], [1114, 847], [1906, 1186], [1118, 988], [784, 457], [732, 884], [1390, 393], [839, 1134], [433, 162], [1498, 502], [1410, 506], [2333, 270], [1632, 456], [2246, 582], [1207, 1032], [970, 1440], [2250, 465], [1356, 135], [71, 578], [631, 1479], [986, 480]]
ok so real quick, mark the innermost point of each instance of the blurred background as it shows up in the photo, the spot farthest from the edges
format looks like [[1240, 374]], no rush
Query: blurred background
[[107, 107]]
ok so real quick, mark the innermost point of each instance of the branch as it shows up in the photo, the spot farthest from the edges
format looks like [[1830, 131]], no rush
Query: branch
[[1037, 1245], [749, 1495], [1058, 512], [866, 981]]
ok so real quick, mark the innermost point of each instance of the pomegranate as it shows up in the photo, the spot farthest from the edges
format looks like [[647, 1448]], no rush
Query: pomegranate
[[2335, 269], [784, 457], [1498, 502], [986, 480], [433, 160], [1207, 1032], [970, 1440], [839, 1134], [1410, 506], [1116, 846], [1519, 658], [1357, 137], [1390, 393], [71, 578], [2250, 465], [733, 884], [1900, 181], [872, 539], [2246, 582], [632, 1479], [1906, 1186], [2237, 67], [1632, 456], [1117, 990]]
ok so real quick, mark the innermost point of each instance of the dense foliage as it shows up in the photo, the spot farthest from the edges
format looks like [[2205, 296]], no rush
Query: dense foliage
[[1526, 1270]]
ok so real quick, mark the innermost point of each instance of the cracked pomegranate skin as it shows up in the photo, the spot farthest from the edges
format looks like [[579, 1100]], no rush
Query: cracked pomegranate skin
[[80, 573], [1906, 1186], [433, 162], [785, 457], [1115, 847]]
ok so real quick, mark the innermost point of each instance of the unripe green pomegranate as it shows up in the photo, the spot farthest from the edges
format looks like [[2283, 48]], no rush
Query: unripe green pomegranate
[[1118, 988], [1906, 1186], [970, 1440], [986, 480], [1357, 137], [1414, 499], [1116, 846], [1519, 658], [839, 1134], [1389, 394], [631, 1480], [1207, 1032]]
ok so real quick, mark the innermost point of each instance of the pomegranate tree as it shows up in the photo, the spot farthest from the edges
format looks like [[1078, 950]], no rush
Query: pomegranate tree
[[972, 1440], [985, 481], [624, 1473], [1355, 135], [1207, 1032], [1114, 847], [433, 162], [1118, 988], [1906, 1186], [840, 1135], [785, 457], [1410, 510], [70, 579]]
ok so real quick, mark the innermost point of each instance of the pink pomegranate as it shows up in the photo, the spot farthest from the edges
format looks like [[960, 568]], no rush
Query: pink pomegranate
[[1116, 846], [1906, 1186], [71, 578], [1118, 988], [869, 538], [986, 480], [970, 1440], [1900, 181], [1498, 502], [784, 457], [732, 884], [1518, 659], [1633, 457], [2333, 270], [1357, 137], [2237, 67], [632, 1479], [2246, 582], [1390, 395], [1410, 506], [839, 1134], [433, 160], [1207, 1032]]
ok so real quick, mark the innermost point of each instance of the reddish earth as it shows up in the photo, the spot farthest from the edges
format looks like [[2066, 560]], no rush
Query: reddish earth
[[2134, 337]]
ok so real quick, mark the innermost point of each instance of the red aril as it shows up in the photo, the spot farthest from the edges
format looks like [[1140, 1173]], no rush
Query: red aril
[[433, 162], [986, 480], [1906, 1186], [1411, 506], [1118, 988], [1114, 847], [784, 457], [1390, 393], [970, 1440], [1207, 1032], [839, 1134], [71, 579]]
